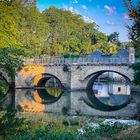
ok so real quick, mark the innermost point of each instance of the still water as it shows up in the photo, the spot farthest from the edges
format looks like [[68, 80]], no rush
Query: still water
[[109, 91], [56, 99]]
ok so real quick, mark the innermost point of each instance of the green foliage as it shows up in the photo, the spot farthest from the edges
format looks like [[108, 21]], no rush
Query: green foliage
[[103, 131], [136, 68], [3, 87], [10, 59], [50, 133], [134, 33], [134, 28], [9, 123], [114, 38], [52, 128], [126, 45], [53, 32]]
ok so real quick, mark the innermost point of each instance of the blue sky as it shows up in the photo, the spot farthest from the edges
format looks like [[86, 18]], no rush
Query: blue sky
[[110, 15]]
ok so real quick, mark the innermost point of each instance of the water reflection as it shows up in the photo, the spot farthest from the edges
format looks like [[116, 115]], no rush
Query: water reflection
[[76, 101], [50, 92], [111, 89], [48, 95], [4, 87]]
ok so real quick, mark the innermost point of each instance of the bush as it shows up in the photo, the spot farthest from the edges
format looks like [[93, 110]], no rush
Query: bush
[[9, 124], [50, 133], [103, 131], [64, 110]]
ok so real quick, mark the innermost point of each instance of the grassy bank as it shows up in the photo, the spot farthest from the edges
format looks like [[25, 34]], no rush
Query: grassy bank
[[57, 127]]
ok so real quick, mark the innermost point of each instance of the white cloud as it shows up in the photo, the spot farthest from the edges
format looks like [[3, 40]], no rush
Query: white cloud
[[74, 1], [110, 10], [88, 20], [71, 9], [125, 16], [84, 7], [110, 23]]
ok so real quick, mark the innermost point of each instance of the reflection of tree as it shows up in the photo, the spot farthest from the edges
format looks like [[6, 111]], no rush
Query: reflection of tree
[[53, 83], [3, 87], [53, 87], [108, 78], [54, 91]]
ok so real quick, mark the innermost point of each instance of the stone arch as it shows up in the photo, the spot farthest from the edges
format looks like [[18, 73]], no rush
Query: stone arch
[[123, 70], [42, 94], [92, 77], [40, 80]]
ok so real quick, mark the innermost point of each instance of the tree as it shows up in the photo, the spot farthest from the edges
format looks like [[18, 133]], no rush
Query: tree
[[53, 32], [134, 33], [68, 33], [136, 68], [11, 59], [114, 38], [134, 29], [8, 30], [10, 123]]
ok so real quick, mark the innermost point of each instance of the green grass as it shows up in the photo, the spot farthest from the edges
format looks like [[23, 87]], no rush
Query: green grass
[[58, 127]]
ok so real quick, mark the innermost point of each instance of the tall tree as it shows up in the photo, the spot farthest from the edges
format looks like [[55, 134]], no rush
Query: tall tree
[[114, 38], [134, 33], [134, 29]]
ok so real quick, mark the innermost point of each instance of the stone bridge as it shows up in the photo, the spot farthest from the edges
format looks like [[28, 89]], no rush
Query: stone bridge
[[72, 76]]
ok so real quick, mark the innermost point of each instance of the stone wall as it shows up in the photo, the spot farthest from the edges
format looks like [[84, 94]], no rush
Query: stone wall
[[30, 75], [75, 78]]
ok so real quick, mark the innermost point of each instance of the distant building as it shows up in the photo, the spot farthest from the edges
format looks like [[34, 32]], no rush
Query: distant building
[[123, 55], [97, 53]]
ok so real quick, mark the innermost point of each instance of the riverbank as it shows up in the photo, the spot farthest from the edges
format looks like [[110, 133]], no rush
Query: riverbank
[[57, 127]]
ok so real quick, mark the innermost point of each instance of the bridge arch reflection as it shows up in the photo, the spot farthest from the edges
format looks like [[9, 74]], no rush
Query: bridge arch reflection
[[49, 89], [108, 90]]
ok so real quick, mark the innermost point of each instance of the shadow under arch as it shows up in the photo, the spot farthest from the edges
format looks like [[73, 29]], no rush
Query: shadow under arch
[[46, 77], [94, 102], [46, 97], [97, 104], [43, 91]]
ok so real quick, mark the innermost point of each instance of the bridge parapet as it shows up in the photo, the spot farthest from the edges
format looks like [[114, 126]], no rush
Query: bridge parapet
[[80, 60]]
